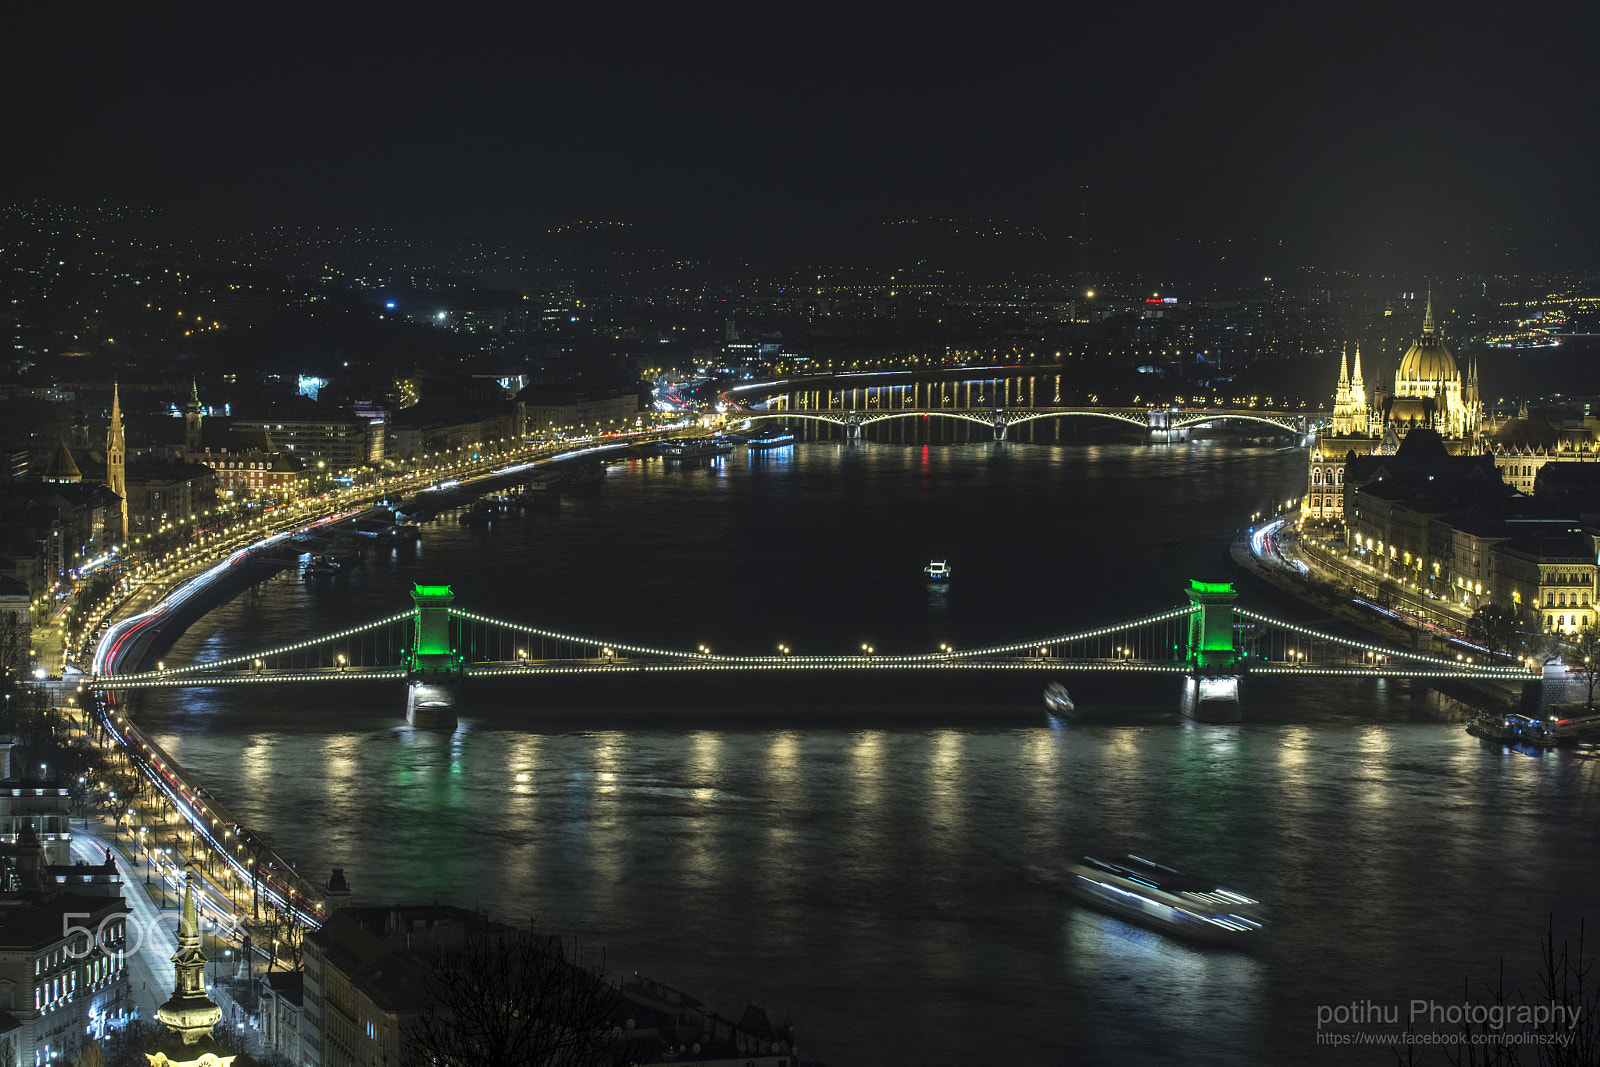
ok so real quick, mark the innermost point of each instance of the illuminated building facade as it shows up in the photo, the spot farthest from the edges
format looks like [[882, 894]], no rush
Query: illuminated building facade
[[63, 973]]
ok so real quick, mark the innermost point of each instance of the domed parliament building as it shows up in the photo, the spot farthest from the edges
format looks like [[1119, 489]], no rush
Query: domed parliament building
[[1429, 391]]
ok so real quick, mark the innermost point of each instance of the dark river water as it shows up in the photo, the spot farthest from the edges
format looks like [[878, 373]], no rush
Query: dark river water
[[882, 859]]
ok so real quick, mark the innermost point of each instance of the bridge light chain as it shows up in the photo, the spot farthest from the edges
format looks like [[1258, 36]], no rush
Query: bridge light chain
[[1373, 657]]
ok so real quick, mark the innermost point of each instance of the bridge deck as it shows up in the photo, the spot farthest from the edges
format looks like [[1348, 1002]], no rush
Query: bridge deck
[[615, 665]]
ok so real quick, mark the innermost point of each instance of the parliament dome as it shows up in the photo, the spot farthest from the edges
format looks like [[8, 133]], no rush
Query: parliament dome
[[1428, 360]]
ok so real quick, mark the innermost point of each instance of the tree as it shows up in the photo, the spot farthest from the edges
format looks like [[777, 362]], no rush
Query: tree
[[1570, 1031], [1585, 657], [514, 998], [287, 938], [15, 647], [1494, 627]]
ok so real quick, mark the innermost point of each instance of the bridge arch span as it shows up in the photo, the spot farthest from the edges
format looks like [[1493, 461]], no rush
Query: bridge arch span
[[864, 417], [832, 418], [1183, 420], [926, 413], [1014, 418]]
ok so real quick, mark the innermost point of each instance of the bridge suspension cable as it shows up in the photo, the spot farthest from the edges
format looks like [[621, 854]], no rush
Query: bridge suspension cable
[[250, 658], [1366, 650]]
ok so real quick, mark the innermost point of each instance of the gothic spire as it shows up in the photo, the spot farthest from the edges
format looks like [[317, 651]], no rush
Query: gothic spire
[[1428, 328], [1344, 367], [114, 440], [190, 1014], [117, 460], [1357, 376]]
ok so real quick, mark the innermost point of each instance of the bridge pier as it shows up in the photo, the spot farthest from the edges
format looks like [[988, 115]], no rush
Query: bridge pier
[[852, 425], [431, 705], [1553, 686], [1212, 697], [1000, 425]]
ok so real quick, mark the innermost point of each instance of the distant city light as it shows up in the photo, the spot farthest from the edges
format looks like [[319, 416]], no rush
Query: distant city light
[[310, 386]]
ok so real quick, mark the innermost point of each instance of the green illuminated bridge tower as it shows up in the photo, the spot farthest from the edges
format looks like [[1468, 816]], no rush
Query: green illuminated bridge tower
[[433, 666], [1211, 689]]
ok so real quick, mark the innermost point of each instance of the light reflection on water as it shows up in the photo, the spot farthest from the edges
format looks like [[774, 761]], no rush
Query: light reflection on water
[[885, 863]]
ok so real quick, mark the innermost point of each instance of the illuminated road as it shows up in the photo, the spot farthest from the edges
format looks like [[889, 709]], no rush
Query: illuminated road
[[150, 967], [156, 599], [1268, 547]]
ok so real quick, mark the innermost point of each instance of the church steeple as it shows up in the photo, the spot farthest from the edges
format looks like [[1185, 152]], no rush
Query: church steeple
[[190, 1014], [117, 459], [191, 419], [1428, 328]]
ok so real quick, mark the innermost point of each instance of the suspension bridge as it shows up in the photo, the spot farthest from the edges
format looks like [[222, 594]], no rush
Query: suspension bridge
[[1210, 641]]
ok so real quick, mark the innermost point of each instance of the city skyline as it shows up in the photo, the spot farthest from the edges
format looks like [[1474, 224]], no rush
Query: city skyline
[[1429, 140]]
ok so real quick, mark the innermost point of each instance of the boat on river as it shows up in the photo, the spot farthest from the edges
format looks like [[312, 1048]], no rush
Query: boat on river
[[696, 448], [937, 570], [1058, 700], [1151, 894], [1512, 729], [1582, 729], [1491, 726], [771, 439], [320, 566]]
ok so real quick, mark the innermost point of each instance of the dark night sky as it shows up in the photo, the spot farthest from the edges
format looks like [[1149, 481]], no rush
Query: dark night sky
[[1341, 130]]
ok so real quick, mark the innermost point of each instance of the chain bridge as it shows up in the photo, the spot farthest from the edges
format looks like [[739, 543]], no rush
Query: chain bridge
[[1209, 641]]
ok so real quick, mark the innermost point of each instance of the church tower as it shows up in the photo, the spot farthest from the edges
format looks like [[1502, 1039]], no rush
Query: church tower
[[191, 420], [1358, 389], [117, 460], [1341, 394], [1472, 404], [1350, 413], [190, 1013]]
